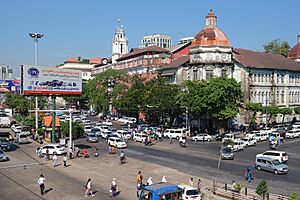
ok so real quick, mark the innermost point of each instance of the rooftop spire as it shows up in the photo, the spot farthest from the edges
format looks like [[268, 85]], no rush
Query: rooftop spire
[[211, 19]]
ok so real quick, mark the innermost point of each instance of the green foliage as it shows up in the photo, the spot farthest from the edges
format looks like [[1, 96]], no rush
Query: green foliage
[[294, 196], [262, 188], [77, 129], [237, 187], [228, 143], [17, 101], [254, 107], [297, 110], [284, 112], [277, 47]]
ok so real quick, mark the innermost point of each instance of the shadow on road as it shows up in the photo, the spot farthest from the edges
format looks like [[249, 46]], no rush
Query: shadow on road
[[48, 190]]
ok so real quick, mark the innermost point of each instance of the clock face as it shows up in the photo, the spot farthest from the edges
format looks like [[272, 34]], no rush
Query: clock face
[[104, 61]]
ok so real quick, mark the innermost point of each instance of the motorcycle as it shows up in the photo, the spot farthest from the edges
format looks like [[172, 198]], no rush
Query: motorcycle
[[273, 145], [182, 142]]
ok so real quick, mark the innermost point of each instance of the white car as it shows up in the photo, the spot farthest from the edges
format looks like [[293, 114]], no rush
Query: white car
[[261, 136], [228, 136], [266, 130], [86, 122], [292, 133], [140, 137], [103, 128], [87, 129], [189, 192], [107, 123], [249, 141], [276, 155], [116, 142], [16, 128], [105, 133], [200, 137], [123, 134], [57, 148], [238, 145]]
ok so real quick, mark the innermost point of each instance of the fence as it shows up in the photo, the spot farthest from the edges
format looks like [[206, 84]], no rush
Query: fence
[[227, 191]]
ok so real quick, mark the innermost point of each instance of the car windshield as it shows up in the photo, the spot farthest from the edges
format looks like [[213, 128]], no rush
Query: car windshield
[[1, 152], [227, 150], [118, 140], [4, 140], [245, 139], [92, 135], [192, 192], [23, 136], [276, 162]]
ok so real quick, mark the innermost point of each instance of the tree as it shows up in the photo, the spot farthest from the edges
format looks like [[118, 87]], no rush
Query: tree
[[228, 142], [284, 112], [272, 111], [294, 196], [77, 129], [255, 108], [262, 189], [297, 110], [277, 47]]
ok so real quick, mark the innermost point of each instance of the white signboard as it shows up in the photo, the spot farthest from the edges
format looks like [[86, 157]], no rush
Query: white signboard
[[50, 80]]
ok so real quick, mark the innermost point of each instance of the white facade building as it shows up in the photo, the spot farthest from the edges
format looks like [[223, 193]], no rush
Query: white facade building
[[119, 44], [161, 40], [185, 40], [6, 72]]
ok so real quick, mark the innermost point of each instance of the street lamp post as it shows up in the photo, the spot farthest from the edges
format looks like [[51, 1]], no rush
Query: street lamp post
[[35, 37], [110, 85]]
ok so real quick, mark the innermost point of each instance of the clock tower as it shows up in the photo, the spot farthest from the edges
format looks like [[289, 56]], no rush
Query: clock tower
[[119, 43]]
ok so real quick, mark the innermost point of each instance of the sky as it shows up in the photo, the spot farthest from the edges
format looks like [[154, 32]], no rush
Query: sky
[[75, 28]]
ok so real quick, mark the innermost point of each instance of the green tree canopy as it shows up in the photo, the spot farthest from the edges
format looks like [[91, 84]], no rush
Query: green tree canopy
[[254, 107], [77, 130], [277, 47], [297, 110], [262, 188], [284, 112]]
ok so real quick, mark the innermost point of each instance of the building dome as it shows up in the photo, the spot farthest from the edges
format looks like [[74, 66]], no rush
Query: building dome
[[211, 35]]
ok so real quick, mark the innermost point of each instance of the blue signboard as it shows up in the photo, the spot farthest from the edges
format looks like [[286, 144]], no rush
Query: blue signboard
[[10, 86]]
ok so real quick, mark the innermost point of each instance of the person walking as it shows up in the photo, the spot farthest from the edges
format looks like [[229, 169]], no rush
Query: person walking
[[84, 153], [88, 188], [249, 176], [199, 185], [71, 153], [41, 182], [77, 152], [54, 159], [191, 182], [65, 160], [113, 187], [139, 183], [47, 154]]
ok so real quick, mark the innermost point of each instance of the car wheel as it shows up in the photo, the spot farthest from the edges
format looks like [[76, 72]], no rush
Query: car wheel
[[258, 168], [276, 171], [208, 140], [195, 140]]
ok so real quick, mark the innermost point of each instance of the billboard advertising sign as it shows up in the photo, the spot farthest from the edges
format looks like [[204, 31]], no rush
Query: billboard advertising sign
[[50, 81], [10, 86]]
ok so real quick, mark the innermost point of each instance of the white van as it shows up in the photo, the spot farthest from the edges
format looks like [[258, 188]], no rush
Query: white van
[[261, 136], [228, 136], [292, 133], [22, 138], [175, 133], [238, 145], [139, 137]]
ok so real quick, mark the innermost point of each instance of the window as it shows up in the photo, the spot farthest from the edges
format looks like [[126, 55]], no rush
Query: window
[[282, 96], [195, 74], [209, 73], [84, 74], [224, 72]]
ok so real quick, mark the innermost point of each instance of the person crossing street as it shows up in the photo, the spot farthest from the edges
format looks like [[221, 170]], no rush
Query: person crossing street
[[41, 182]]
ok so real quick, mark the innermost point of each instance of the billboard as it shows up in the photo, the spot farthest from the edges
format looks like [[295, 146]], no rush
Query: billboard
[[10, 86], [50, 81]]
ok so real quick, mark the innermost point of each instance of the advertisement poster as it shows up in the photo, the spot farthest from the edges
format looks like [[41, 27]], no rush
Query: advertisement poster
[[50, 81], [10, 86]]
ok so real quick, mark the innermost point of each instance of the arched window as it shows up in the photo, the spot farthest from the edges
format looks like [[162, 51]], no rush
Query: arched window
[[282, 96]]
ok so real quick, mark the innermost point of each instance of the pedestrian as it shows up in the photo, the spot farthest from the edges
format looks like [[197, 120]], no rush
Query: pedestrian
[[199, 185], [139, 183], [113, 187], [47, 154], [191, 183], [71, 153], [65, 160], [149, 181], [84, 153], [41, 182], [54, 159], [146, 141], [164, 179], [95, 152], [278, 140], [77, 152], [249, 176], [88, 188]]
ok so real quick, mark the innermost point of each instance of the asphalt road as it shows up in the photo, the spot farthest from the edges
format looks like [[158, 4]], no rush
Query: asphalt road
[[201, 159]]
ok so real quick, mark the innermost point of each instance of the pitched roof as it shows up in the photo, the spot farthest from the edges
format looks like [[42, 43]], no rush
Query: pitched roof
[[295, 51], [47, 121], [73, 60], [175, 48], [177, 62], [95, 60], [137, 51], [255, 59]]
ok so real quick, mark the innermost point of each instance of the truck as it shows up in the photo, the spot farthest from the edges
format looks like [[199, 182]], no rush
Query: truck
[[4, 121], [160, 191]]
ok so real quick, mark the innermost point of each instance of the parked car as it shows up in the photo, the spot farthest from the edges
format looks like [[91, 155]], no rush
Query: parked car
[[201, 137], [139, 137], [219, 137], [261, 136], [227, 153], [4, 143], [96, 131], [116, 142], [3, 156], [107, 122], [228, 136], [91, 137], [113, 130], [270, 164], [276, 155], [87, 128], [16, 128], [292, 133], [22, 138], [57, 148], [106, 134], [266, 130], [175, 133], [238, 145], [123, 134], [249, 141], [189, 192], [278, 126]]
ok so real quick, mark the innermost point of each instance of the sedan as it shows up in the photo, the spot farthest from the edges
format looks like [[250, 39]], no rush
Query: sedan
[[116, 142], [16, 128], [227, 153], [249, 141], [107, 123], [54, 148], [201, 137], [3, 156]]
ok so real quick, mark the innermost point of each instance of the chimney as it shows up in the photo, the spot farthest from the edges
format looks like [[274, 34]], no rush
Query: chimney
[[298, 39]]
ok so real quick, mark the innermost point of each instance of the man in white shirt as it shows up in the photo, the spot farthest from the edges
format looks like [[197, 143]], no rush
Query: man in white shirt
[[54, 159], [41, 182]]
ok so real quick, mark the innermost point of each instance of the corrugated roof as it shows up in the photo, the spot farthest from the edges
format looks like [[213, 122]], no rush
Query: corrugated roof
[[177, 47], [47, 121], [137, 51], [177, 63], [255, 59], [73, 60]]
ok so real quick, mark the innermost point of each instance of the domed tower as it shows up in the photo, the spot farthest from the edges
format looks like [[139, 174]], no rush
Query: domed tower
[[210, 52], [119, 43]]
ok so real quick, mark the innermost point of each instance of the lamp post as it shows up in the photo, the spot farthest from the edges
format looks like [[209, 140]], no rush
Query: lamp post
[[110, 85], [35, 37]]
